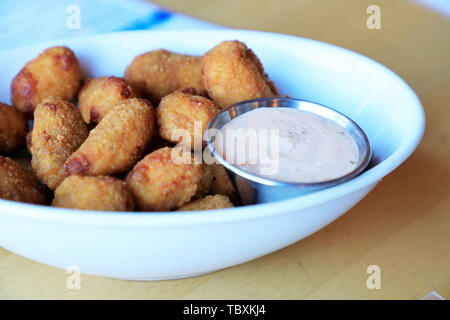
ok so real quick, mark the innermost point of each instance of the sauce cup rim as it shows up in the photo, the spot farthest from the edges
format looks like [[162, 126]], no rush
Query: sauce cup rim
[[304, 105]]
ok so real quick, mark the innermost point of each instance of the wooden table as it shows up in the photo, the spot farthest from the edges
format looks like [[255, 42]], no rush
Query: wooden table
[[403, 226]]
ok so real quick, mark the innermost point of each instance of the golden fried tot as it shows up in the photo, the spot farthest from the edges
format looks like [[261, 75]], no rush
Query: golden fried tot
[[185, 110], [232, 73], [221, 183], [100, 193], [54, 73], [18, 184], [205, 181], [99, 95], [217, 201], [59, 130], [159, 183], [117, 142], [13, 129], [160, 72]]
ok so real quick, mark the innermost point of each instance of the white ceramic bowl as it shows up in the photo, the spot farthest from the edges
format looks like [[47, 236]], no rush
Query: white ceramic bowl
[[172, 245]]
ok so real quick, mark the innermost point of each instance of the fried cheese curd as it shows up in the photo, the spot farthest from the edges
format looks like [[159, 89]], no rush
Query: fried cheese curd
[[159, 184], [99, 95], [58, 131], [232, 73], [185, 110], [13, 129], [221, 183], [17, 184], [117, 142], [160, 72], [205, 181], [54, 73], [85, 168], [101, 193], [216, 201]]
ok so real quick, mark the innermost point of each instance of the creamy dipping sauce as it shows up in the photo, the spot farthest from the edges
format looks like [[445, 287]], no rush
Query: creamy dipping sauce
[[304, 146]]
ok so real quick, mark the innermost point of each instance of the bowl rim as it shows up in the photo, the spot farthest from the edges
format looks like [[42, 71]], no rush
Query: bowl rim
[[48, 214]]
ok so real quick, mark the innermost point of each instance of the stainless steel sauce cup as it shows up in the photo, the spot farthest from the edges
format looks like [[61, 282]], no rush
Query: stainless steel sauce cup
[[254, 188]]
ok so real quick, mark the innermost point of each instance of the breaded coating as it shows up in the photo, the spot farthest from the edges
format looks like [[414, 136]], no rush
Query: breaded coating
[[233, 73], [100, 193], [99, 95], [158, 183], [59, 130], [160, 72], [205, 181], [185, 110], [117, 142], [13, 129], [18, 184], [221, 183], [217, 201], [54, 73]]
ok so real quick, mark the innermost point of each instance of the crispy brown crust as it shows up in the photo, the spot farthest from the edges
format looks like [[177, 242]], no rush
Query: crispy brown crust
[[18, 184], [205, 181], [13, 129], [24, 92], [160, 72], [54, 73], [79, 165], [157, 183], [232, 73], [58, 132], [117, 142], [93, 193], [208, 203], [221, 183], [99, 95], [181, 110]]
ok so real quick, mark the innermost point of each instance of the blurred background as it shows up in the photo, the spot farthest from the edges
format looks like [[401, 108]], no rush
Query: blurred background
[[411, 37]]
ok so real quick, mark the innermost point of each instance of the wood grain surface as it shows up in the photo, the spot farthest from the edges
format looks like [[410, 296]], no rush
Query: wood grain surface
[[403, 226]]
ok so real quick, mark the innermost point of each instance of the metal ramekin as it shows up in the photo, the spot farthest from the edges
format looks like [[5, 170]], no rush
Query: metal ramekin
[[254, 188]]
